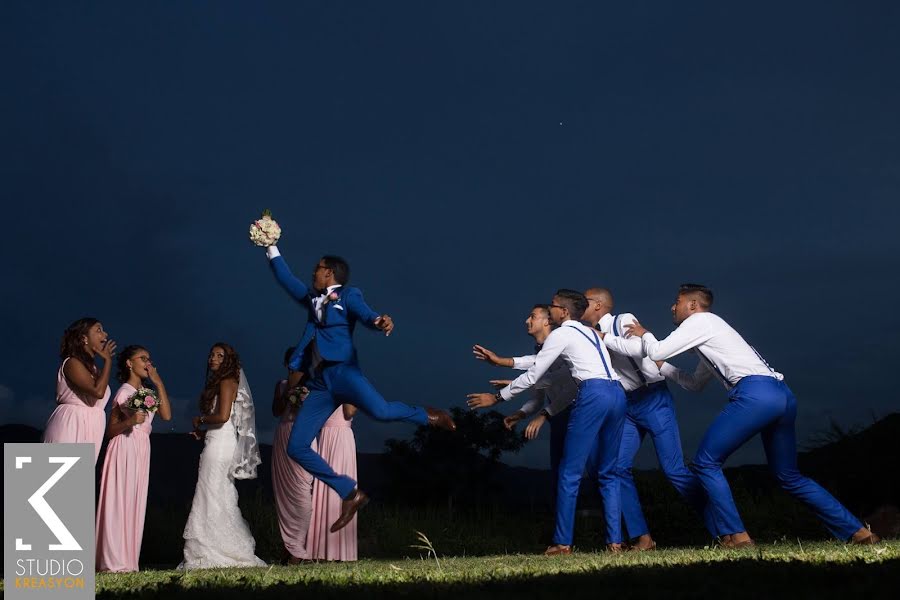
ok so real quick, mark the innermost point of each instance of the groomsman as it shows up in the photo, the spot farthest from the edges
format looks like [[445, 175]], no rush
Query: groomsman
[[650, 410], [597, 416], [759, 403], [553, 394], [327, 353]]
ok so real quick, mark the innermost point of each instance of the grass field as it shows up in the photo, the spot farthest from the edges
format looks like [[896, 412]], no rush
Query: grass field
[[815, 570]]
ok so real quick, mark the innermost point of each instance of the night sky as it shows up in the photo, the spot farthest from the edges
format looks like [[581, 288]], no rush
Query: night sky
[[467, 158]]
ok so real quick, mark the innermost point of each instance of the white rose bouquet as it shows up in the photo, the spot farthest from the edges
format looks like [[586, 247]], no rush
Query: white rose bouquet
[[265, 231]]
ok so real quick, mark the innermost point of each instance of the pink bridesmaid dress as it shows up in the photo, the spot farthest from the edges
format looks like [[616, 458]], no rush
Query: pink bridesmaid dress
[[74, 420], [338, 447], [293, 488], [123, 494]]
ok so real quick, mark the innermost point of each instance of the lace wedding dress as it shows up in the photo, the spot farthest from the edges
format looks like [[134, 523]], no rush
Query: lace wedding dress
[[216, 534]]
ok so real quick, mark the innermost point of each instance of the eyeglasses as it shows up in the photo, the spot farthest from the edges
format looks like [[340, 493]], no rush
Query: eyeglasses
[[555, 306], [322, 267]]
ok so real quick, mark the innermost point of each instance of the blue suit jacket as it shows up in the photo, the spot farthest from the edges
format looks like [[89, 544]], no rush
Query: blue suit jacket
[[334, 337]]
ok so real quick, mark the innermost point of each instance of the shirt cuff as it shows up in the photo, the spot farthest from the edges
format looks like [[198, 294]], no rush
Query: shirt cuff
[[667, 370], [506, 394], [272, 252], [522, 363]]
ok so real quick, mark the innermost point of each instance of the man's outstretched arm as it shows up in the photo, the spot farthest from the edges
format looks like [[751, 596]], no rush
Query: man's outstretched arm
[[296, 288], [356, 305]]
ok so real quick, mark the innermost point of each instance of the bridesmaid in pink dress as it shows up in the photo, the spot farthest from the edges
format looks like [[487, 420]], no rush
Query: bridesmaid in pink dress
[[292, 484], [338, 447], [82, 390], [126, 469]]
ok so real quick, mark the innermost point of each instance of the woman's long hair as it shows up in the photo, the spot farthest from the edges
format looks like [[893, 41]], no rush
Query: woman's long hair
[[72, 344], [229, 369]]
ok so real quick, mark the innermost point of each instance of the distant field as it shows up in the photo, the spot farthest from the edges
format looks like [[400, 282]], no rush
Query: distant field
[[816, 570]]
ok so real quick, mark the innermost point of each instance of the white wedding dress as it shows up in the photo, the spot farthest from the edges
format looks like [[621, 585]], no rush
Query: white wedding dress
[[216, 534]]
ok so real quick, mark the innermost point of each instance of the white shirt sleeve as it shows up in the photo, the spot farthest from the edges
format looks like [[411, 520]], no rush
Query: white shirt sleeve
[[534, 404], [555, 343], [272, 252], [631, 346], [690, 334], [693, 382], [523, 363]]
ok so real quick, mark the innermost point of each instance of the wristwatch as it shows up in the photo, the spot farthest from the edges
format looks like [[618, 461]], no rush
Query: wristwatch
[[544, 413], [202, 419], [498, 397]]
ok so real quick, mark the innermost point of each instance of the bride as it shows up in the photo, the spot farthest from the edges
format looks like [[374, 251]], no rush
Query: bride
[[216, 535]]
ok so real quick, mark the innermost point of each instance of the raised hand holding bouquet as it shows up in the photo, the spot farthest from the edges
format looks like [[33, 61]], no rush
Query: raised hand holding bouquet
[[265, 231]]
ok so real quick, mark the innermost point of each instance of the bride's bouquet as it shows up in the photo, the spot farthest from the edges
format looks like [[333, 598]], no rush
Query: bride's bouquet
[[265, 231], [144, 399]]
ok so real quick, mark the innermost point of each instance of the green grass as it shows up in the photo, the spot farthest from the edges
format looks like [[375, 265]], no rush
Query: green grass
[[785, 569]]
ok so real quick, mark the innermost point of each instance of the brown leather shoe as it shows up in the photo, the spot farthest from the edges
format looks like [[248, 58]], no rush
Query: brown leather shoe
[[868, 540], [440, 418], [737, 545], [642, 546], [356, 501], [558, 550]]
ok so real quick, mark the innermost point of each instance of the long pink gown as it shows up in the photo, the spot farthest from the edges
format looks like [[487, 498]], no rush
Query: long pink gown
[[338, 447], [74, 420], [123, 494], [293, 488]]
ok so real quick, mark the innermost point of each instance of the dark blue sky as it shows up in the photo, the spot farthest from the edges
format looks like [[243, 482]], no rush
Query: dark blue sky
[[467, 159]]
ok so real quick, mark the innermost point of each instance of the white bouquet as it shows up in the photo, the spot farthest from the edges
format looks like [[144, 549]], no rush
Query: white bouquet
[[265, 231]]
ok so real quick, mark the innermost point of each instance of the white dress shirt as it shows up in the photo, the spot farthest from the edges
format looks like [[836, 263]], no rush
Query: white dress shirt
[[573, 342], [628, 353], [722, 351], [556, 387]]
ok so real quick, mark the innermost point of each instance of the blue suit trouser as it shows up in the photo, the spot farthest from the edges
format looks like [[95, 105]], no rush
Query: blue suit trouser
[[598, 416], [764, 405], [559, 423], [651, 410], [336, 384]]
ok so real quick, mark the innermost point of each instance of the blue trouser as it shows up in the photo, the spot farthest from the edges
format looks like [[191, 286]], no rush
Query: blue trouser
[[336, 384], [650, 410], [764, 405], [597, 418], [559, 423]]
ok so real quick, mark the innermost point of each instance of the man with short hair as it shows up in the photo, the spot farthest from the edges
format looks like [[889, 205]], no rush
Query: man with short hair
[[650, 410], [553, 394], [759, 403], [597, 416], [326, 352]]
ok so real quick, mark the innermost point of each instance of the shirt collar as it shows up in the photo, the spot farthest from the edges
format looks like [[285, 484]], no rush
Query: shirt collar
[[330, 289], [605, 322]]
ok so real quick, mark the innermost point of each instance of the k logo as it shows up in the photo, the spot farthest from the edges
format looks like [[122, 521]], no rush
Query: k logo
[[48, 512]]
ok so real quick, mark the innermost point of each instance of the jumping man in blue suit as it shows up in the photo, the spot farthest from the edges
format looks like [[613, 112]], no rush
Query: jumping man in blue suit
[[326, 353]]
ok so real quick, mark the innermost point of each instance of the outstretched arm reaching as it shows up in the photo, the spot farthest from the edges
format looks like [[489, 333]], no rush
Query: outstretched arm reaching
[[296, 288]]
